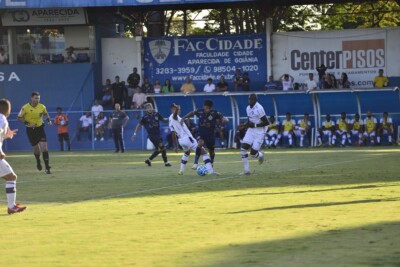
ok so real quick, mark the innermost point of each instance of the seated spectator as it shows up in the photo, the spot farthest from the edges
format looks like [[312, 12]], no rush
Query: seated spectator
[[273, 135], [288, 127], [326, 82], [238, 80], [321, 75], [44, 59], [287, 82], [311, 83], [71, 57], [85, 126], [3, 56], [385, 127], [303, 128], [327, 129], [381, 81], [246, 82], [370, 124], [272, 85], [157, 87], [222, 85], [147, 87], [100, 126], [96, 108], [168, 87], [345, 81], [138, 99], [342, 130], [209, 87], [106, 91], [356, 128], [188, 86]]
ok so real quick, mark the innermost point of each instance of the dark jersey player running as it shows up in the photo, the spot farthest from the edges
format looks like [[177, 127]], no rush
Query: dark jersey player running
[[151, 121], [208, 119]]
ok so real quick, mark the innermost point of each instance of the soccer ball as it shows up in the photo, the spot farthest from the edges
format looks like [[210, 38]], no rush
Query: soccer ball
[[202, 170]]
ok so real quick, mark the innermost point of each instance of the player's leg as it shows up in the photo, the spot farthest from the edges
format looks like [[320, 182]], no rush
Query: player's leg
[[115, 133], [68, 141], [61, 141], [200, 144], [246, 143], [34, 140], [187, 144], [379, 135], [320, 133], [121, 139], [209, 143], [45, 153], [11, 187], [255, 148]]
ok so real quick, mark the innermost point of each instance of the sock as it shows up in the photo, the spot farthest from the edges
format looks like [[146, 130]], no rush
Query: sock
[[212, 156], [11, 193], [164, 155], [276, 141], [37, 156], [62, 145], [155, 153], [390, 138], [46, 159], [349, 138], [343, 139], [245, 159], [378, 139], [197, 156], [319, 140], [256, 155], [290, 140], [207, 162], [301, 140], [184, 161]]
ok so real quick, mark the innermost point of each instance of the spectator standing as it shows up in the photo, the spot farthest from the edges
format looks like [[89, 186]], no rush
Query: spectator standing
[[3, 56], [321, 75], [168, 87], [222, 85], [157, 87], [311, 83], [118, 92], [133, 80], [238, 80], [209, 87], [246, 82], [61, 120], [119, 119], [381, 81], [107, 95], [85, 125], [188, 86]]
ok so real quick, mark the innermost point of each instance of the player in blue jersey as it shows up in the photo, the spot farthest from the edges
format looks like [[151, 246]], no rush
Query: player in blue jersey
[[151, 121], [208, 119]]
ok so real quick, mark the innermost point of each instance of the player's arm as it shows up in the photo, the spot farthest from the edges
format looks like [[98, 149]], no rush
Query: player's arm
[[47, 116], [187, 116], [138, 126], [126, 119]]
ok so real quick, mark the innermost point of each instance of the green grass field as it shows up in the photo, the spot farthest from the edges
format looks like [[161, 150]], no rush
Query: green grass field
[[310, 207]]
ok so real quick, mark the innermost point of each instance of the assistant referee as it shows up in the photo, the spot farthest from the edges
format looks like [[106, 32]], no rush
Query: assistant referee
[[31, 115]]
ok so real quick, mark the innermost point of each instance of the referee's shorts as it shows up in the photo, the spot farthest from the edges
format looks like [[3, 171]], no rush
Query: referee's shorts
[[36, 135]]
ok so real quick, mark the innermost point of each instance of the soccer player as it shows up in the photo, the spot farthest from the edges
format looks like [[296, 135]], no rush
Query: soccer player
[[356, 128], [186, 140], [288, 126], [272, 136], [31, 115], [254, 137], [151, 121], [342, 130], [61, 120], [328, 126], [303, 128], [370, 128], [208, 118], [385, 127], [5, 169]]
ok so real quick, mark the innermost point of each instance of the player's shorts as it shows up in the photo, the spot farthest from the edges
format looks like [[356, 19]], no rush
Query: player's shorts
[[387, 131], [286, 133], [254, 137], [209, 141], [369, 133], [326, 132], [36, 135], [5, 168], [355, 132], [63, 136], [272, 133], [188, 143], [300, 132], [157, 141]]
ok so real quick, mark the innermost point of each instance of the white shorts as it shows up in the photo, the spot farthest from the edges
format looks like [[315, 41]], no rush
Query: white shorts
[[300, 132], [326, 132], [188, 143], [287, 133], [254, 137], [272, 132], [5, 168], [386, 131], [355, 132], [340, 132], [369, 134]]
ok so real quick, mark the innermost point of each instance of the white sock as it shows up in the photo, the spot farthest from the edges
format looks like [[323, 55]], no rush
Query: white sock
[[184, 160], [207, 162], [245, 159], [301, 140], [390, 138], [343, 139], [11, 192]]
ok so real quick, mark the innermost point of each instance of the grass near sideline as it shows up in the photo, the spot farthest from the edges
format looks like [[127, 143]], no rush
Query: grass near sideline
[[333, 207]]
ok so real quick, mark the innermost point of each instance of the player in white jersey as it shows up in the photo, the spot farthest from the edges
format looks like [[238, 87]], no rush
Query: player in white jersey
[[180, 131], [5, 169], [254, 137]]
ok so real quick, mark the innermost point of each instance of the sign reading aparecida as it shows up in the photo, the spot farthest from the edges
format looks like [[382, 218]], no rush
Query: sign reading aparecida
[[203, 57], [358, 54], [51, 16]]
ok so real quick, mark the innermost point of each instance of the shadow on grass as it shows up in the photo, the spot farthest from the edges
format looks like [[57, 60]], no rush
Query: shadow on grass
[[372, 245]]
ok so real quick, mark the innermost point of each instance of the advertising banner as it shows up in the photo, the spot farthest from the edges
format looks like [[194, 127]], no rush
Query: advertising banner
[[96, 3], [51, 16], [358, 53], [203, 57]]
